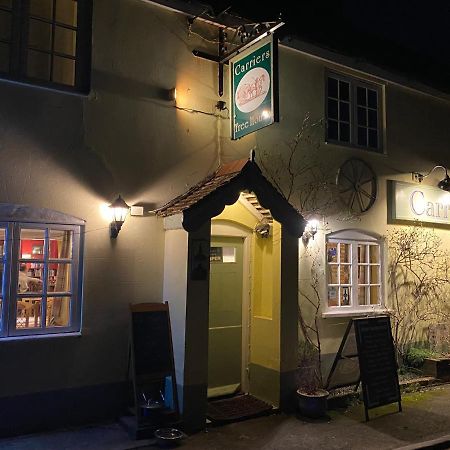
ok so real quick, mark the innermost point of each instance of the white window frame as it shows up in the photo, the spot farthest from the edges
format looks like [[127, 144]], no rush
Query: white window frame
[[354, 83], [13, 218], [355, 238]]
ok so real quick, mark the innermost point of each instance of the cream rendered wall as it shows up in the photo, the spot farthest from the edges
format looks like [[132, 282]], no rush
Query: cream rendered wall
[[74, 153]]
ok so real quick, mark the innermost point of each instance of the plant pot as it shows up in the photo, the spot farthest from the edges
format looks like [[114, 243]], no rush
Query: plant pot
[[313, 405]]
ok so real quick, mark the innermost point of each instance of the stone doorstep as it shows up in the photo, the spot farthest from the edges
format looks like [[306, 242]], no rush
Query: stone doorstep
[[342, 400], [434, 444]]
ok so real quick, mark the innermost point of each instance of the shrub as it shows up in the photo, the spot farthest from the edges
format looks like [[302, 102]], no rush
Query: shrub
[[415, 357]]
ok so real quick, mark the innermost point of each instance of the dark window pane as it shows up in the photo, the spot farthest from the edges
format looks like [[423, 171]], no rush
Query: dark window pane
[[362, 136], [372, 97], [4, 57], [38, 65], [63, 71], [5, 25], [362, 118], [344, 111], [344, 132], [373, 138], [332, 109], [40, 35], [332, 88], [66, 12], [344, 91], [332, 130], [42, 8], [361, 96], [373, 118], [65, 41]]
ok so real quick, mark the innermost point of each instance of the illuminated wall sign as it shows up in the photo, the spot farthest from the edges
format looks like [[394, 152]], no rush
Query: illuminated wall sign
[[419, 202], [252, 89]]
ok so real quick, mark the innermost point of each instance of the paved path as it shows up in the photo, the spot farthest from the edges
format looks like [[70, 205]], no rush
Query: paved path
[[425, 416]]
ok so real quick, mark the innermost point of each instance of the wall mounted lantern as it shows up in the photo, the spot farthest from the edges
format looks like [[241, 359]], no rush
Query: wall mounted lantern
[[444, 184], [119, 213], [310, 230]]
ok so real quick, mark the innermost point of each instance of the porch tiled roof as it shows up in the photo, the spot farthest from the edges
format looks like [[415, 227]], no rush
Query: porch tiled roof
[[208, 198], [223, 175]]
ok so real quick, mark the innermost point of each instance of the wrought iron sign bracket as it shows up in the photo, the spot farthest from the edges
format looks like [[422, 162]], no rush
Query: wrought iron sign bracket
[[223, 57]]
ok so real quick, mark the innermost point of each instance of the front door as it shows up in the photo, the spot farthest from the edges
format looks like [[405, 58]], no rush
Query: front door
[[225, 316]]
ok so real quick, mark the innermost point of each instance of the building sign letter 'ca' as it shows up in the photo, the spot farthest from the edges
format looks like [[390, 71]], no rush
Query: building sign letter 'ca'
[[252, 89]]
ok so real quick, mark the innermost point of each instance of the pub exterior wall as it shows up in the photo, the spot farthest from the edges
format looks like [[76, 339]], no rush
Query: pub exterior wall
[[74, 154]]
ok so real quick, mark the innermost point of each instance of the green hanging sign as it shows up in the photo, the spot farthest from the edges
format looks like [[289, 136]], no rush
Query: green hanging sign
[[253, 89]]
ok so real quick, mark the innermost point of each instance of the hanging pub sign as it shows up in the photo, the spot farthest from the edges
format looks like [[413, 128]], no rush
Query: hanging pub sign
[[254, 88], [415, 202]]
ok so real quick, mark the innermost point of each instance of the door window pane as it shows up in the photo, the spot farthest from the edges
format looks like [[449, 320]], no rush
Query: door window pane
[[59, 278], [58, 312], [40, 35], [63, 71], [345, 293], [42, 8], [331, 252], [66, 12], [65, 41], [30, 277], [374, 295], [28, 313], [333, 296], [30, 238], [344, 253], [362, 295], [60, 244], [38, 65]]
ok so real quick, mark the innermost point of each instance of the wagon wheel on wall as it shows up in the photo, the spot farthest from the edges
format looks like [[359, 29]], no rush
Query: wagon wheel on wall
[[357, 185]]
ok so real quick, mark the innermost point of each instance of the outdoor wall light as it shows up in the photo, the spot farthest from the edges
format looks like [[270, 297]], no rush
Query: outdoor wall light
[[172, 94], [444, 184], [119, 211], [310, 230]]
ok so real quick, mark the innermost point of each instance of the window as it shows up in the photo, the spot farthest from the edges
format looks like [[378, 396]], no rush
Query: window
[[46, 42], [354, 271], [40, 278], [353, 111]]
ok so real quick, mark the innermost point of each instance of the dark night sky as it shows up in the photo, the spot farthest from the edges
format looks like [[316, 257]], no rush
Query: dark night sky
[[409, 37]]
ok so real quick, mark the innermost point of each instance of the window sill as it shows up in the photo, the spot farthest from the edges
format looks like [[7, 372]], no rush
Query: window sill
[[40, 336], [347, 145], [55, 89], [356, 313]]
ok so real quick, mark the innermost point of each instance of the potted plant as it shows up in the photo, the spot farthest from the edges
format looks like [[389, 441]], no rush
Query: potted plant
[[311, 393]]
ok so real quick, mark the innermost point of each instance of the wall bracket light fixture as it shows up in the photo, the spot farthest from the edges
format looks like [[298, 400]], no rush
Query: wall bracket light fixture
[[119, 210], [444, 184], [310, 230]]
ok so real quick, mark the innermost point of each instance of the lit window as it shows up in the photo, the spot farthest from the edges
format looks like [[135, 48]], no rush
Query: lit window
[[46, 42], [354, 271], [41, 275], [353, 112]]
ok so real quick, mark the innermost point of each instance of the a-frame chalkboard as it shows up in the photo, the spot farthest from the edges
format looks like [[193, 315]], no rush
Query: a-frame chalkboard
[[368, 342], [152, 369]]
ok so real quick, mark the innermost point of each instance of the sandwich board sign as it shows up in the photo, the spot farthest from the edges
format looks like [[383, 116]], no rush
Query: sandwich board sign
[[367, 355], [254, 88]]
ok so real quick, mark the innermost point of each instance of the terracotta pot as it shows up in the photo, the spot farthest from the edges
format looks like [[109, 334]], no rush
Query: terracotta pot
[[313, 405]]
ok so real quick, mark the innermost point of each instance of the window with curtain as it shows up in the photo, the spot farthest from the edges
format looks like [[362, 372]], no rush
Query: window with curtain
[[41, 279], [46, 42]]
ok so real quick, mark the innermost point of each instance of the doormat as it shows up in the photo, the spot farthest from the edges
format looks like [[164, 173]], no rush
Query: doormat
[[237, 408]]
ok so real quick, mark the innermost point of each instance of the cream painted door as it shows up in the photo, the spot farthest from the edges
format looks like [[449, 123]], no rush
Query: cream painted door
[[225, 316]]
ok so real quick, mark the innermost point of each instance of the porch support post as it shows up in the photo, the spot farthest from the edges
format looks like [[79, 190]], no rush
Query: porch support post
[[196, 331], [288, 320]]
